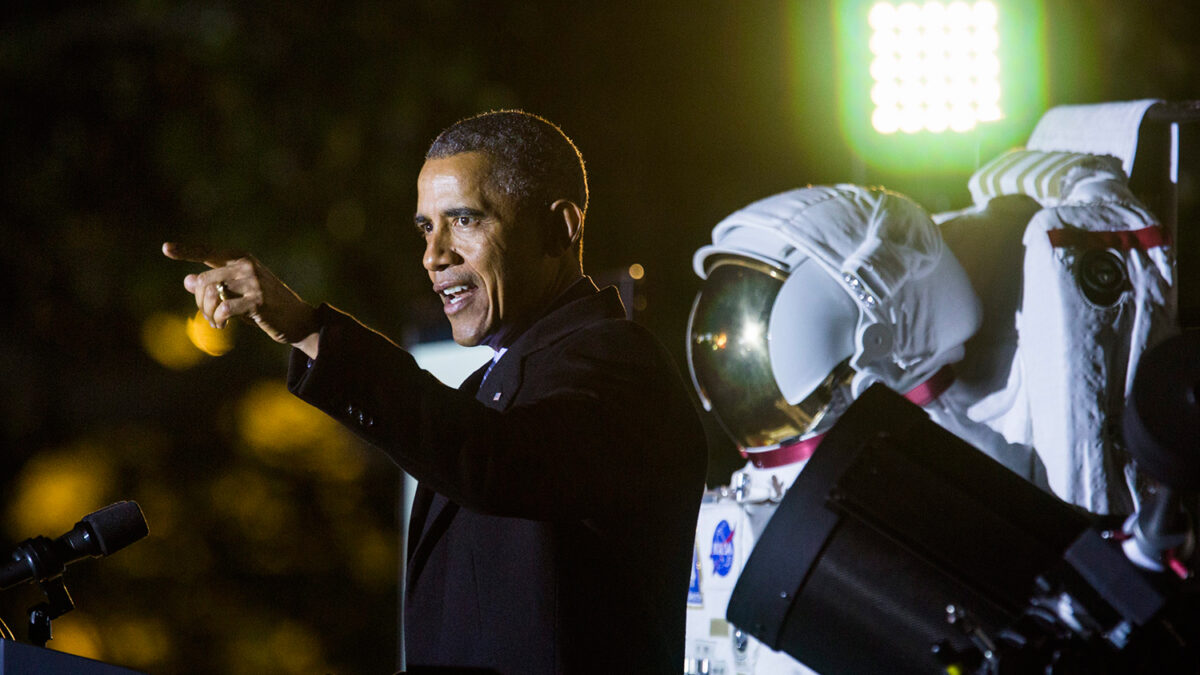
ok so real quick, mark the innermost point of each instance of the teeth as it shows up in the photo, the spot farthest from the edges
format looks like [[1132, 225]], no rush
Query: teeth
[[454, 289]]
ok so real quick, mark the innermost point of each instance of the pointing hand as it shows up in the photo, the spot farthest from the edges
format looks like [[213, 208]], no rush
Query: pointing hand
[[240, 286]]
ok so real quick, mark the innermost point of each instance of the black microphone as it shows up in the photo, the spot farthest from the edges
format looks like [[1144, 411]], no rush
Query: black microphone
[[99, 534]]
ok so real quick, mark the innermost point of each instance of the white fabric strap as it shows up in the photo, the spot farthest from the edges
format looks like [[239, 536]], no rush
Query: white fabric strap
[[1095, 129]]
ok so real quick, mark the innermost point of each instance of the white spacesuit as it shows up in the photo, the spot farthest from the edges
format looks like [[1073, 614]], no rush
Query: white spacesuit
[[1098, 272], [810, 296], [814, 294]]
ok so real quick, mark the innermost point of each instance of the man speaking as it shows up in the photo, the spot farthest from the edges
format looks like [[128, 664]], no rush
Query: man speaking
[[552, 531]]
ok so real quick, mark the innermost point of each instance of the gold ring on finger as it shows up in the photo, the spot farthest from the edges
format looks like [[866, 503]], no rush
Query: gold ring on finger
[[222, 291]]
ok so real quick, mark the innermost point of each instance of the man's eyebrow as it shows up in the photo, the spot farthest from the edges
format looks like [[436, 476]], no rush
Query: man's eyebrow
[[421, 220], [462, 211]]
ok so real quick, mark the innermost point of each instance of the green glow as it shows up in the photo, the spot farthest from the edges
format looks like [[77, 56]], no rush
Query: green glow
[[923, 87]]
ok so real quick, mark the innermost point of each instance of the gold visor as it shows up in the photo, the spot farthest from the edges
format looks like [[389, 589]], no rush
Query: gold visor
[[730, 363]]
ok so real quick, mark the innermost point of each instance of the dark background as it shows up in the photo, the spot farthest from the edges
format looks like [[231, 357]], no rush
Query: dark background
[[295, 130]]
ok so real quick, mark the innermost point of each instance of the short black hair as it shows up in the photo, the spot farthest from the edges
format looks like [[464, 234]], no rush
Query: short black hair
[[533, 160]]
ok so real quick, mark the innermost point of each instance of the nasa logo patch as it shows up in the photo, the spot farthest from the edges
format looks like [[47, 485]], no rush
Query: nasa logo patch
[[722, 549]]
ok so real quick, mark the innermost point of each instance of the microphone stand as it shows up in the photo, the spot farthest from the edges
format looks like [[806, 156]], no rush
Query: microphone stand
[[48, 564], [45, 561], [58, 602]]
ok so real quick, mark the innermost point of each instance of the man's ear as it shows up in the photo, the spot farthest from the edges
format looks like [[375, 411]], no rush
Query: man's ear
[[565, 227]]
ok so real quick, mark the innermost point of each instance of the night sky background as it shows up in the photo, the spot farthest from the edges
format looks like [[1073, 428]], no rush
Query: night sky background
[[296, 131]]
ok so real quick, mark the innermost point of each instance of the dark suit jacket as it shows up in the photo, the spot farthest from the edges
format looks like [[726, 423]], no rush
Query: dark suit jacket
[[554, 526]]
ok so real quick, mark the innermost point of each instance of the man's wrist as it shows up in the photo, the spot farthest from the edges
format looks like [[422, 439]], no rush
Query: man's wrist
[[310, 343]]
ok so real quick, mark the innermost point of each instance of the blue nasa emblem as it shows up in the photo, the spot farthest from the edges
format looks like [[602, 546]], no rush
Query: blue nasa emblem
[[722, 549]]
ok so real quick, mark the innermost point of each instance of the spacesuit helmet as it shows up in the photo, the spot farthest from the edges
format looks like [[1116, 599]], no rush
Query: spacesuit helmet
[[810, 296]]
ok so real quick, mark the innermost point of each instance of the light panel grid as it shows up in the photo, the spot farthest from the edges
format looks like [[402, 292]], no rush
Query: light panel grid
[[934, 66]]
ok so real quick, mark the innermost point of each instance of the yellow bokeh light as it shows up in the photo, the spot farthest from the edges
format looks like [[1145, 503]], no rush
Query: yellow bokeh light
[[165, 339], [284, 431], [56, 488], [211, 341], [76, 634], [295, 648], [375, 557], [636, 271], [274, 421]]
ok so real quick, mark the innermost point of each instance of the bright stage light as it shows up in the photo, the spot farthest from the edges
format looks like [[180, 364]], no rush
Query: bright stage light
[[886, 120], [928, 87], [881, 15], [935, 66]]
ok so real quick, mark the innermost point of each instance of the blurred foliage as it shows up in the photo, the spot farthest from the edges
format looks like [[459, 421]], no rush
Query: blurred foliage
[[273, 545], [286, 542], [296, 132]]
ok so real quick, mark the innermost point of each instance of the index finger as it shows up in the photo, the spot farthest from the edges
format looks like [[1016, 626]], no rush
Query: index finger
[[213, 257]]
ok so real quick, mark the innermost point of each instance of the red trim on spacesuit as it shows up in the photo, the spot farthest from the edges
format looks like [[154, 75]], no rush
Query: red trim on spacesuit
[[798, 451], [1124, 240], [923, 394], [786, 453]]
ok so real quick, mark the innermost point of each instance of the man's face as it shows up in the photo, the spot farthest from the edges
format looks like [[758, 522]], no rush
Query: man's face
[[489, 270]]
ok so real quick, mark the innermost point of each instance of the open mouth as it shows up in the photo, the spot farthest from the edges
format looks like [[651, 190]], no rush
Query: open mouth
[[454, 296]]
